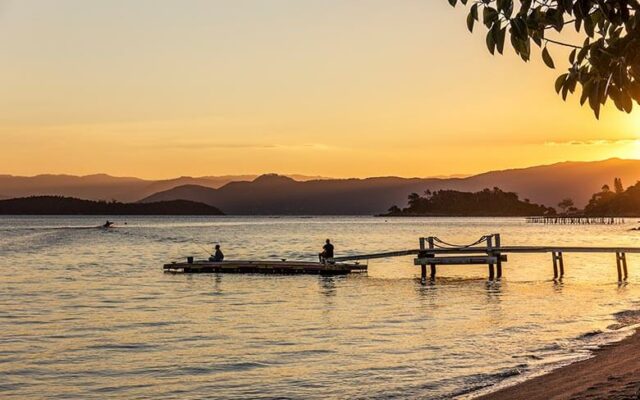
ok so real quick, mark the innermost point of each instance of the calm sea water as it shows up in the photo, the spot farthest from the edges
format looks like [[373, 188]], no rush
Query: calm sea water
[[88, 313]]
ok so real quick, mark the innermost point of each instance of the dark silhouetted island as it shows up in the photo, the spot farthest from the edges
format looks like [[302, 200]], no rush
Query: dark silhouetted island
[[619, 202], [58, 205], [452, 203]]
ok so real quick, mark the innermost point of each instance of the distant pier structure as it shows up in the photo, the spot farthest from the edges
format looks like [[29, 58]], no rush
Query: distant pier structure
[[575, 220], [489, 251]]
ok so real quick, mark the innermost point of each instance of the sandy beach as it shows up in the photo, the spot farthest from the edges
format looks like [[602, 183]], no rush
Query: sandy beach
[[613, 374]]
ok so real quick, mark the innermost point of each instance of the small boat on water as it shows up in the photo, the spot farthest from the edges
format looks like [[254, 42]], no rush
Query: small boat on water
[[263, 267], [107, 225]]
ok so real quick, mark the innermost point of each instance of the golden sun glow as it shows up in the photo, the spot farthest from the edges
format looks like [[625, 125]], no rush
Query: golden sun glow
[[221, 88]]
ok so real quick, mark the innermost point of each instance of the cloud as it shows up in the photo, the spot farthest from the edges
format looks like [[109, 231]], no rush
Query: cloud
[[209, 146], [232, 145], [305, 146], [595, 142]]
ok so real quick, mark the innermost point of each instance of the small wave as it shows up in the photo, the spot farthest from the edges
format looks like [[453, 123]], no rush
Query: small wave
[[628, 317], [530, 356], [123, 346], [52, 228], [551, 347], [481, 382], [590, 334], [10, 387], [233, 367], [558, 356]]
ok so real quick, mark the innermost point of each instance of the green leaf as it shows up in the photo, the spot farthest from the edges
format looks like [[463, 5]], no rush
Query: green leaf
[[489, 16], [500, 36], [546, 57], [491, 43], [470, 22], [560, 82], [474, 11]]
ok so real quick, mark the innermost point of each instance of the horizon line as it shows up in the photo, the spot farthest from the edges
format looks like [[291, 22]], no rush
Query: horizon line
[[313, 176]]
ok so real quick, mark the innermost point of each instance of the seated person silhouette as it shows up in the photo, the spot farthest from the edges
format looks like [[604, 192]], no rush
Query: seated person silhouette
[[327, 252], [218, 256]]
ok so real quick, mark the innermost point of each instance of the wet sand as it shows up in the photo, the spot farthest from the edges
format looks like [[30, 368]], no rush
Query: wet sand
[[612, 374]]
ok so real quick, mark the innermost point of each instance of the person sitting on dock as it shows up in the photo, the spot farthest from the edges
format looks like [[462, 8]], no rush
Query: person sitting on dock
[[327, 252], [217, 256]]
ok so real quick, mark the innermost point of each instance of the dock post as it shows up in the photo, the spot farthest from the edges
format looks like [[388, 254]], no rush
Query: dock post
[[619, 265], [489, 252], [555, 265], [624, 266], [561, 264], [499, 256], [423, 267], [432, 266]]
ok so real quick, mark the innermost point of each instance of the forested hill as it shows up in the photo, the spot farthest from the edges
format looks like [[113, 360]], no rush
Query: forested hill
[[477, 204], [617, 202], [56, 205]]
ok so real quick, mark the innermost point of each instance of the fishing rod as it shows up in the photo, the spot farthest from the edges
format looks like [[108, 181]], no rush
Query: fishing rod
[[202, 247]]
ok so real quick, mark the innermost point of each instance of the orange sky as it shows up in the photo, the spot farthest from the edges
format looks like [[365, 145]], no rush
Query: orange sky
[[160, 88]]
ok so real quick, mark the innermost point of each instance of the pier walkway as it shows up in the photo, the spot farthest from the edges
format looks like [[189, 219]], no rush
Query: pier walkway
[[489, 251]]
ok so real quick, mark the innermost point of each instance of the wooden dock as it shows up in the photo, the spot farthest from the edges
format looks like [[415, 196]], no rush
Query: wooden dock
[[264, 267], [489, 251], [575, 220]]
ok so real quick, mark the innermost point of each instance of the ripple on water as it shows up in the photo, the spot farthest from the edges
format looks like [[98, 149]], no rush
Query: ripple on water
[[89, 314]]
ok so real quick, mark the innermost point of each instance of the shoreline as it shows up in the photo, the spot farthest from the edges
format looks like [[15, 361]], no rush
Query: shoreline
[[612, 373]]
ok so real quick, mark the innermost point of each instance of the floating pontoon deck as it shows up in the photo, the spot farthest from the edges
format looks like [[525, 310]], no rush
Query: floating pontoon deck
[[264, 267]]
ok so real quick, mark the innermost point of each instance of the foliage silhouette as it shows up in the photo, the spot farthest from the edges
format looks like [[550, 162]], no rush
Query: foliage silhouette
[[58, 205], [483, 203], [606, 64], [624, 203]]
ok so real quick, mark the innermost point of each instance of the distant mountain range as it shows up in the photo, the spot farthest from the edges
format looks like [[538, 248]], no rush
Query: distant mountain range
[[106, 187], [274, 194], [296, 195]]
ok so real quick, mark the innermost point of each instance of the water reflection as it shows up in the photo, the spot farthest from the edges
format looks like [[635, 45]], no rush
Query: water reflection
[[558, 285], [217, 283], [327, 285], [101, 316]]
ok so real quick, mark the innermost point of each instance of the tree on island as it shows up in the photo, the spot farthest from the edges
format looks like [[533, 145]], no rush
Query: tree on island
[[606, 63], [394, 210], [619, 202], [487, 202], [617, 185], [566, 205]]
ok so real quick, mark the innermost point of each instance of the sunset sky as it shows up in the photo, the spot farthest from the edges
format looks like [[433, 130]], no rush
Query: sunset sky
[[343, 88]]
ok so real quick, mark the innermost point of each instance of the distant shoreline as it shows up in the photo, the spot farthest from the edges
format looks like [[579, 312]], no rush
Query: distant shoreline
[[450, 216], [57, 205]]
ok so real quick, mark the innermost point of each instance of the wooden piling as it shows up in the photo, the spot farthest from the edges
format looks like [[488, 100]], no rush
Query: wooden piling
[[499, 256], [558, 265], [561, 264], [489, 252], [432, 266], [423, 274], [621, 266]]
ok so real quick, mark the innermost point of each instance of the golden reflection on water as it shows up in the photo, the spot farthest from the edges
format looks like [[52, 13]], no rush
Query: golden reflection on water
[[88, 313]]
